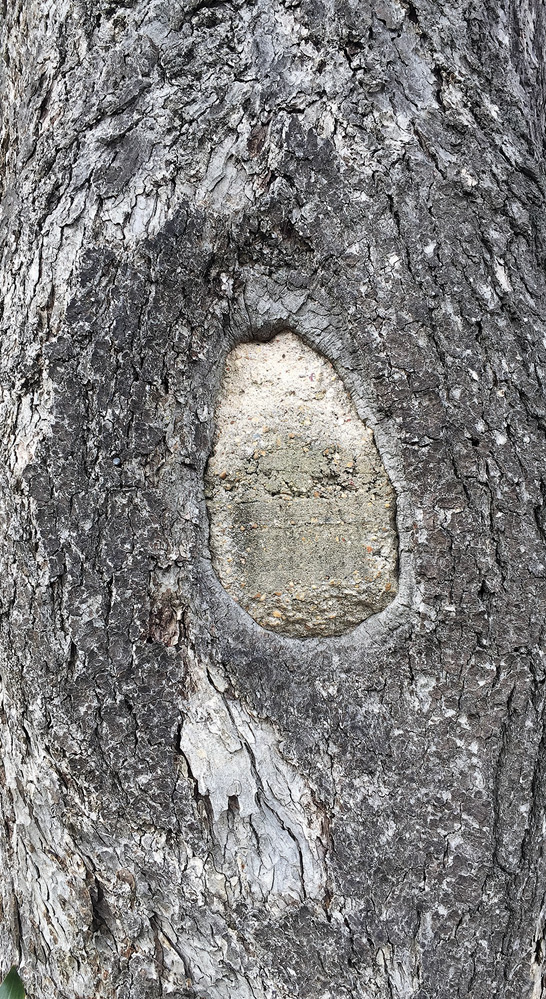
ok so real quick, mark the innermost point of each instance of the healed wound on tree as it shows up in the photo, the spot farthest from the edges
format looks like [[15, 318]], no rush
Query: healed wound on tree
[[301, 510]]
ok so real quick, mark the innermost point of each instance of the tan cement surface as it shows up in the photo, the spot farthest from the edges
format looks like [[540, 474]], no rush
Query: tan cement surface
[[301, 510]]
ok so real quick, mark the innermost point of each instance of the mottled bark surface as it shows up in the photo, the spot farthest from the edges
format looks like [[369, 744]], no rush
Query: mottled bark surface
[[193, 806]]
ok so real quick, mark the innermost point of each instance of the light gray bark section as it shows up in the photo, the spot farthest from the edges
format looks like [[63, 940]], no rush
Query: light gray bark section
[[176, 179]]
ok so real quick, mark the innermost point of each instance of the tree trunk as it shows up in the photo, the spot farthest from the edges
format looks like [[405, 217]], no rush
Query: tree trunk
[[193, 804]]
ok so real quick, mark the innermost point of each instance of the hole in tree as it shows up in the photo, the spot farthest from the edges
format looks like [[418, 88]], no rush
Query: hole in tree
[[301, 509]]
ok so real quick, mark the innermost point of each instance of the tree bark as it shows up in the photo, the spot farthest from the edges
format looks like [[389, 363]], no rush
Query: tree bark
[[178, 178]]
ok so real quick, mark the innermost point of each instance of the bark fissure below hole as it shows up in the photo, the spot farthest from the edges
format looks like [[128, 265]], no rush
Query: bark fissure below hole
[[301, 509]]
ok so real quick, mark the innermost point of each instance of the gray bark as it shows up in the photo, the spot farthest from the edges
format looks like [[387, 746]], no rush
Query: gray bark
[[177, 178]]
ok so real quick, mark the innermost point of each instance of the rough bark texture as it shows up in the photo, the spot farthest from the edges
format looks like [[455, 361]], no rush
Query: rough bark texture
[[194, 806]]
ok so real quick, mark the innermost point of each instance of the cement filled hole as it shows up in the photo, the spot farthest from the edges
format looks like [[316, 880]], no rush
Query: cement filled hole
[[301, 509]]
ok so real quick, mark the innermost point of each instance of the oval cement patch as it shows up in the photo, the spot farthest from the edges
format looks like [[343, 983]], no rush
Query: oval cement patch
[[302, 512]]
